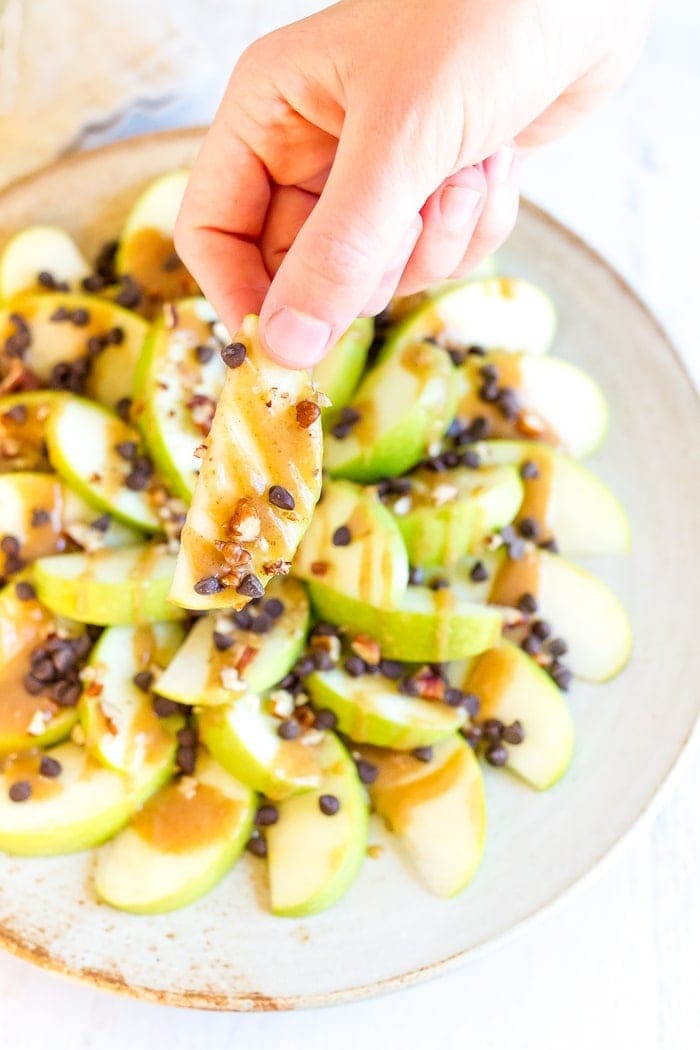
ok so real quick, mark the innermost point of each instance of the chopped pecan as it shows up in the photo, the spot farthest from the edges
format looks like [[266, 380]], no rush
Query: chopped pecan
[[244, 523]]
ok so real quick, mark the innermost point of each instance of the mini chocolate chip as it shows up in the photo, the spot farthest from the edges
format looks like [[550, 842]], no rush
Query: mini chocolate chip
[[328, 804], [550, 545], [50, 767], [64, 659], [305, 666], [243, 619], [261, 624], [209, 585], [13, 564], [562, 676], [234, 355], [457, 355], [40, 517], [80, 317], [532, 645], [187, 737], [489, 373], [32, 685], [478, 429], [82, 645], [341, 537], [478, 572], [472, 703], [44, 670], [222, 641], [95, 346], [144, 680], [257, 845], [541, 629], [9, 545], [46, 279], [204, 353], [416, 576], [267, 814], [288, 730], [451, 459], [423, 754], [367, 772], [508, 403], [470, 459], [164, 707], [454, 697], [186, 760], [323, 661], [130, 295], [102, 523], [558, 647], [514, 733], [325, 719], [409, 686], [472, 734], [492, 728], [137, 481], [274, 608], [529, 528], [60, 314], [17, 414], [355, 666], [25, 591], [93, 283], [454, 429], [527, 603], [280, 497], [439, 584], [497, 755], [392, 669], [66, 694], [123, 409], [529, 470], [126, 449], [489, 391], [250, 586], [20, 791]]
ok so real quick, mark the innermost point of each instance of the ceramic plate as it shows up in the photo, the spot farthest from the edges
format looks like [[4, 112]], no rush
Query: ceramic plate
[[227, 951]]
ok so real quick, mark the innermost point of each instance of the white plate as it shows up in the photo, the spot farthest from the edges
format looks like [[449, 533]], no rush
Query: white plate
[[227, 951]]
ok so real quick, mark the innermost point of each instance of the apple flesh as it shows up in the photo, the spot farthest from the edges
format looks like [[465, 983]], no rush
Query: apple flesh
[[436, 809], [313, 859], [338, 374], [403, 305], [35, 250], [181, 844], [370, 564]]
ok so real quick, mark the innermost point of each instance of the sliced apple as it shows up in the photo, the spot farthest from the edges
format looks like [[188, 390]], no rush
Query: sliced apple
[[428, 625], [354, 546], [258, 484], [582, 610], [243, 737], [81, 807], [404, 305], [313, 858], [444, 515], [436, 809], [178, 381], [180, 845], [370, 709], [128, 585], [401, 407], [40, 250], [339, 372], [22, 424], [85, 443], [205, 673]]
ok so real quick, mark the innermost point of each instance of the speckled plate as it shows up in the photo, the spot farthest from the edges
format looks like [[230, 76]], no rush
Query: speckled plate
[[227, 951]]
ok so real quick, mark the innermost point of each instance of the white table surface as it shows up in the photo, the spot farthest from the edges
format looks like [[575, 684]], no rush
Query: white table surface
[[615, 964]]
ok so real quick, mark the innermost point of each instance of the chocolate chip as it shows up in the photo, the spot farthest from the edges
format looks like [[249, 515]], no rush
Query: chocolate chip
[[208, 585], [95, 345], [266, 815], [497, 755], [130, 295], [123, 409], [250, 586], [529, 528], [44, 670], [40, 517], [328, 804], [66, 694], [186, 760], [489, 391], [347, 420], [80, 317], [17, 414], [391, 669], [416, 576], [126, 449], [558, 647], [531, 645], [325, 719], [562, 676], [478, 429], [203, 353], [9, 545], [527, 603], [171, 262], [280, 497], [46, 280], [32, 685], [305, 666], [25, 591], [164, 707], [529, 470], [64, 659], [355, 666], [341, 537], [243, 619], [478, 572], [492, 728], [288, 730], [423, 754], [323, 661], [409, 686], [472, 703], [508, 403], [489, 373], [274, 608], [439, 584], [144, 680], [187, 737], [470, 459], [541, 629], [472, 734], [366, 771], [514, 733], [550, 545], [457, 356], [20, 791], [234, 355], [221, 641], [83, 644], [454, 697], [257, 845], [93, 283], [102, 523], [104, 263], [60, 314], [261, 624], [50, 767]]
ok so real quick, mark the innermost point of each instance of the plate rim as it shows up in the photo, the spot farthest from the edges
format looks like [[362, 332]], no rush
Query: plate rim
[[254, 1001]]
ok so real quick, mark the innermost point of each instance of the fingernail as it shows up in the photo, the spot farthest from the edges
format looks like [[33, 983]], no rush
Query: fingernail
[[498, 165], [407, 245], [295, 338], [458, 206]]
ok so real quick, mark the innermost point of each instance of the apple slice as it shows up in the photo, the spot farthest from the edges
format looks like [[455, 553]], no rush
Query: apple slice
[[180, 845], [565, 499], [178, 381], [81, 807], [581, 609], [354, 546], [404, 305], [339, 372], [436, 809], [550, 400], [444, 515], [121, 728], [243, 737], [109, 587], [22, 423], [428, 625], [258, 484], [401, 408], [220, 660], [370, 709], [97, 454], [105, 339], [314, 855], [40, 250], [512, 687], [146, 250]]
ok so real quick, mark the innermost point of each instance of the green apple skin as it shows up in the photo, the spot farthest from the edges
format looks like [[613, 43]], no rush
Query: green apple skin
[[313, 859], [36, 249], [512, 687], [243, 738], [28, 435], [194, 675], [338, 374], [436, 809], [137, 875], [109, 587], [371, 710], [167, 374], [428, 625], [403, 305], [373, 566], [405, 404], [83, 807]]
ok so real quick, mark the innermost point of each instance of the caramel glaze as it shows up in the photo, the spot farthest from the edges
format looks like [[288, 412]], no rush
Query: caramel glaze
[[397, 793], [22, 445], [150, 259], [17, 706], [537, 491], [175, 821], [25, 766], [489, 677], [509, 375], [515, 578]]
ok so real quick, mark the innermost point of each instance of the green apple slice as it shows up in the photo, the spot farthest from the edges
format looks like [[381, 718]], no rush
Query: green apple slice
[[558, 403], [504, 313], [56, 339], [146, 250], [83, 439], [582, 610], [404, 305], [313, 859], [178, 381], [445, 515], [82, 807], [258, 483], [568, 502], [512, 687], [436, 809], [35, 250], [428, 625], [121, 728], [243, 737], [128, 585], [339, 372], [180, 845], [22, 424], [370, 709], [370, 563], [403, 405], [205, 674]]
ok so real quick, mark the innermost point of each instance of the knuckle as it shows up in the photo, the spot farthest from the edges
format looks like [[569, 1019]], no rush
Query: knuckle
[[340, 261]]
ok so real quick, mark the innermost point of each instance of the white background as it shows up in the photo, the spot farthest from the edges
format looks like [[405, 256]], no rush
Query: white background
[[616, 964]]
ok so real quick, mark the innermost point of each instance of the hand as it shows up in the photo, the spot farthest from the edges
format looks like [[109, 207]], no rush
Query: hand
[[372, 149]]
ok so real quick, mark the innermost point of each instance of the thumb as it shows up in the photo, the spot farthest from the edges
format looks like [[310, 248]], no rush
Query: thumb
[[363, 228]]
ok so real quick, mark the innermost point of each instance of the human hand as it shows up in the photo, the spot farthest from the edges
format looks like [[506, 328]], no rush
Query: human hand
[[372, 149]]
